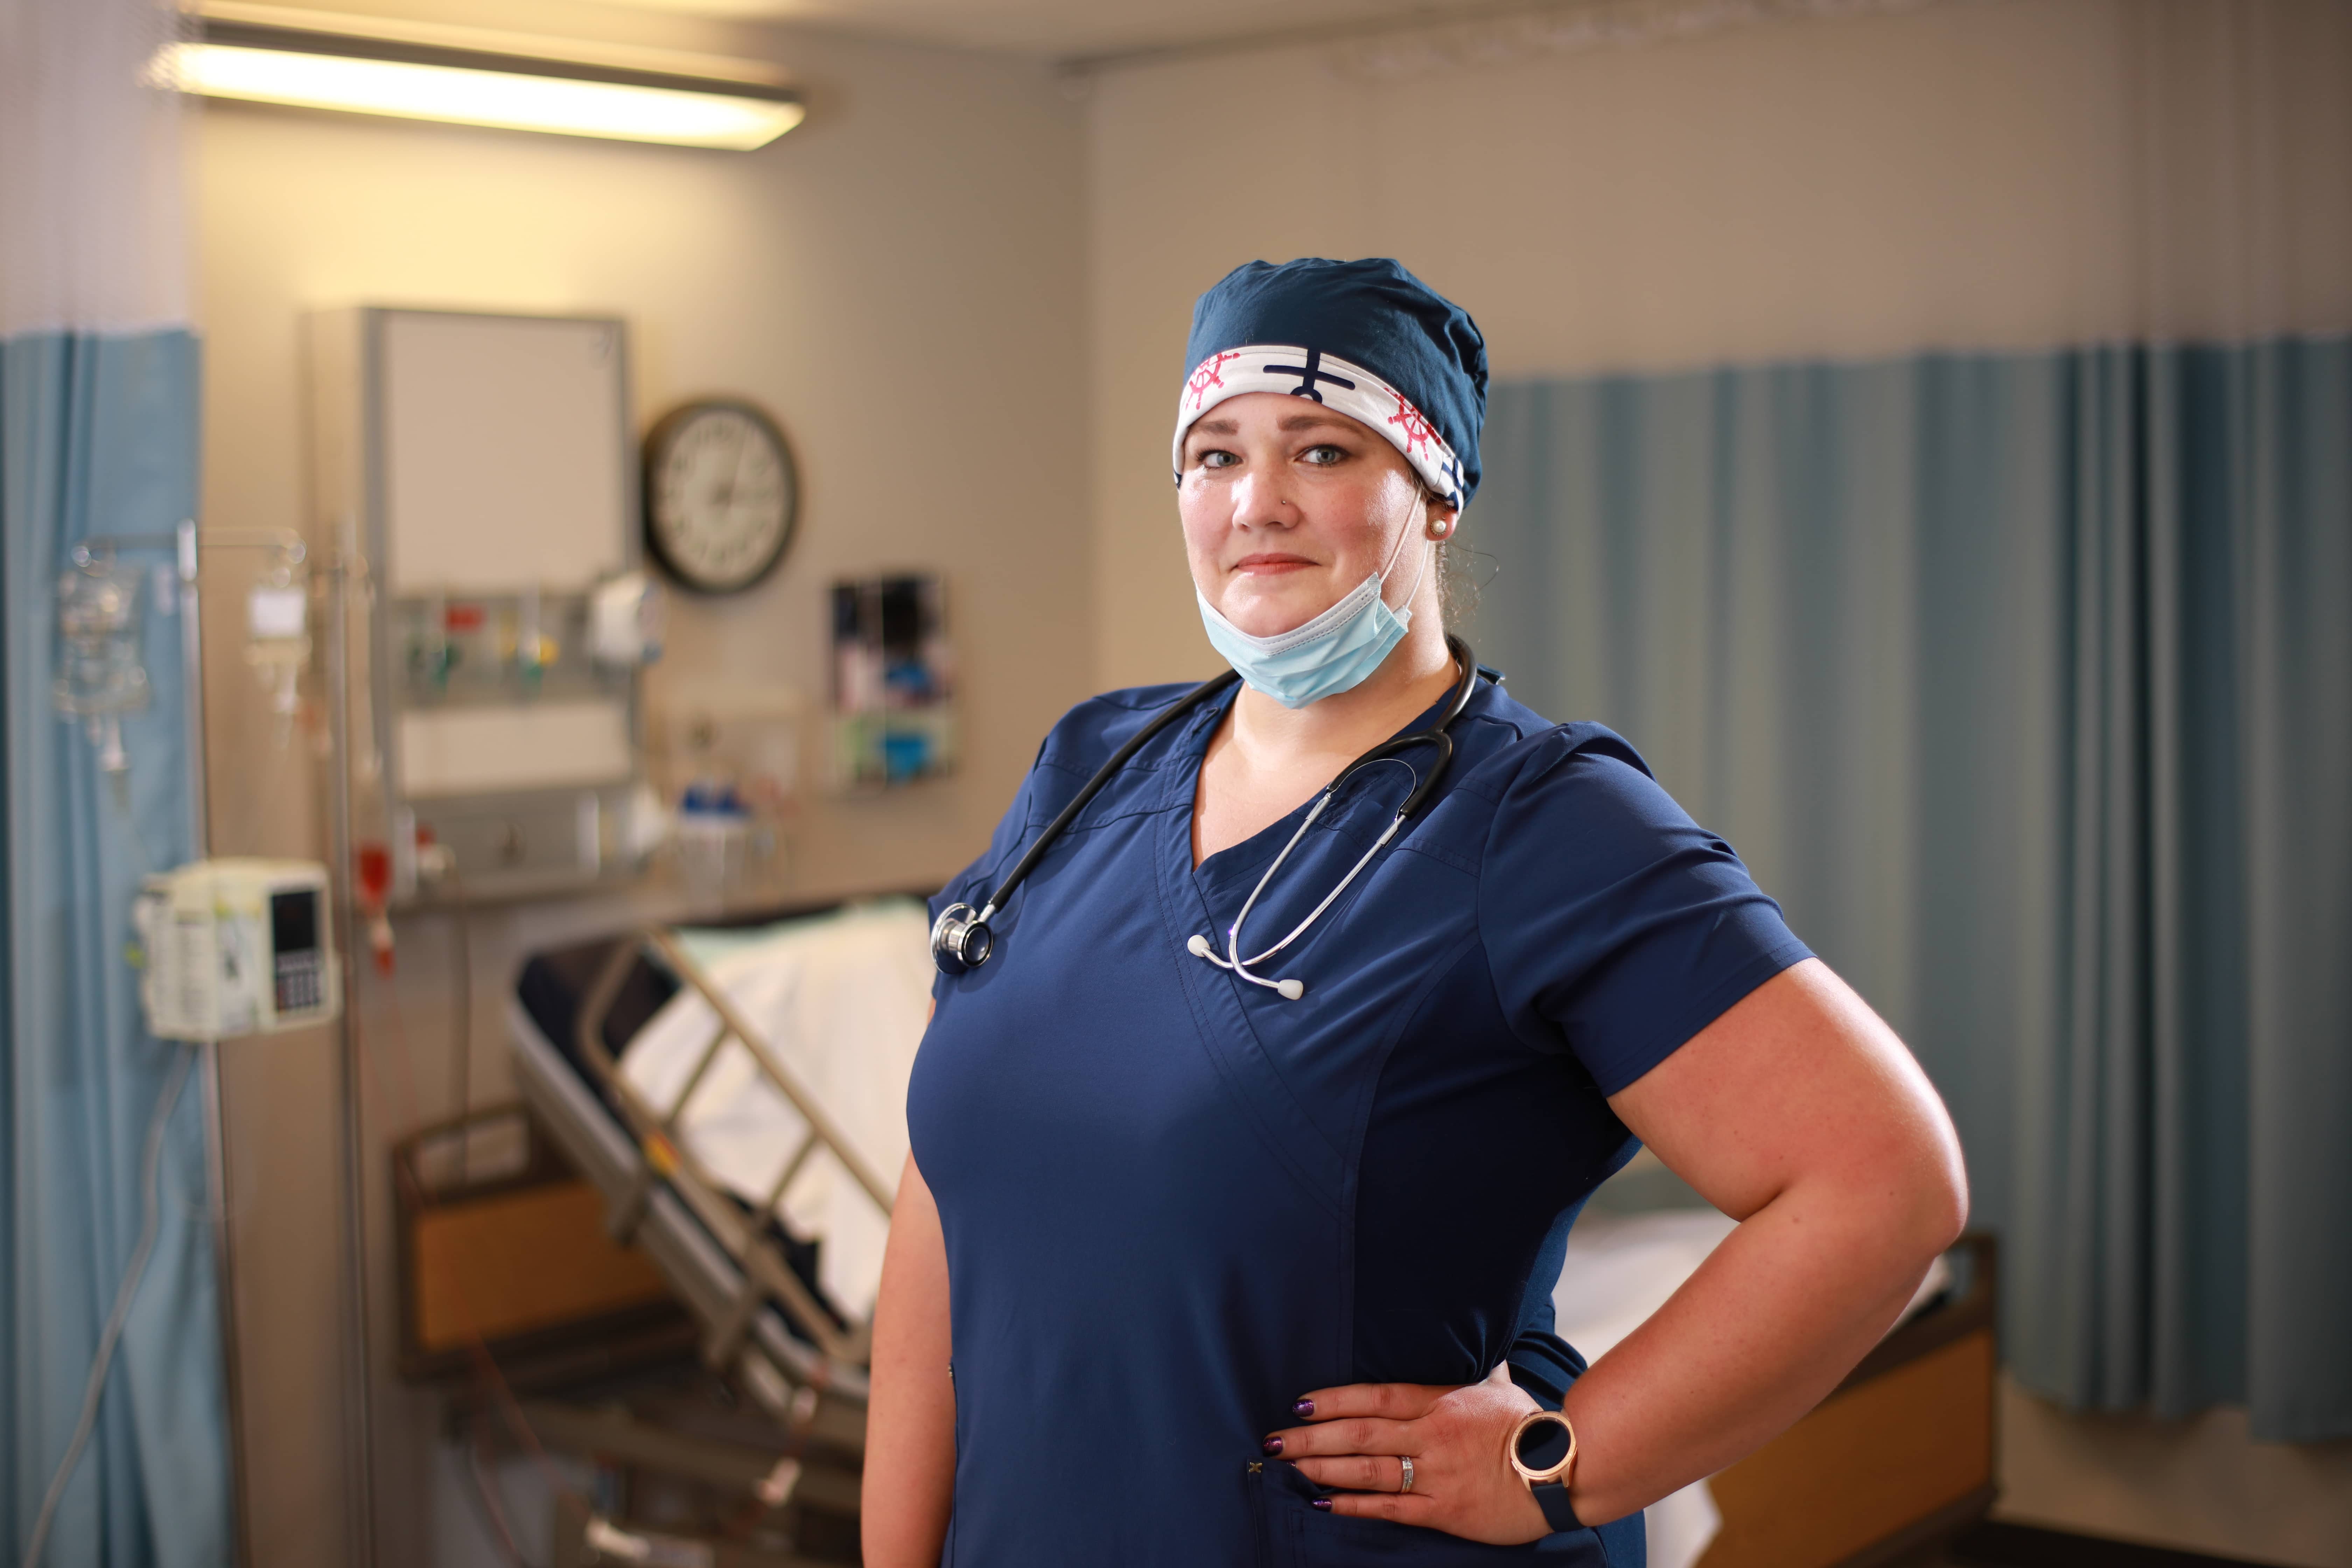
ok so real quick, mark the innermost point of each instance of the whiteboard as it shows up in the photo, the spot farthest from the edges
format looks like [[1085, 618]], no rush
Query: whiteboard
[[505, 456]]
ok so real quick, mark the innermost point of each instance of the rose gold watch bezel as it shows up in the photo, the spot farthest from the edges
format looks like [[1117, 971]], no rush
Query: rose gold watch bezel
[[1559, 1472]]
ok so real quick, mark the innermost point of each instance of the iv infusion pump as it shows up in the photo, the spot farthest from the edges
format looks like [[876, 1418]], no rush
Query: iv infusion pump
[[237, 947]]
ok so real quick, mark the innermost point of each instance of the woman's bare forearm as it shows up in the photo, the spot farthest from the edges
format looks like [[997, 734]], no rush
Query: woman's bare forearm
[[1765, 1328], [910, 1451]]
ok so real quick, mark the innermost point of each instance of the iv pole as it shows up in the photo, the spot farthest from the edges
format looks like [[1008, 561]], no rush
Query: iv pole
[[359, 1419], [184, 541], [360, 1416], [199, 838], [360, 1434], [360, 1453], [291, 550]]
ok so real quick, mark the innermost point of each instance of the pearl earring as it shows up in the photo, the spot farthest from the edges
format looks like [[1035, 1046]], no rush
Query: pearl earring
[[1439, 528]]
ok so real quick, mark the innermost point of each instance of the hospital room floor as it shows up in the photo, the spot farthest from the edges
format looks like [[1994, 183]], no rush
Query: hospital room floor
[[1999, 1543], [1969, 1550], [1951, 1555], [1945, 1555]]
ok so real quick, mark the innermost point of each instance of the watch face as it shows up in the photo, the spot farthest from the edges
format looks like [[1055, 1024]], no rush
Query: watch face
[[720, 495]]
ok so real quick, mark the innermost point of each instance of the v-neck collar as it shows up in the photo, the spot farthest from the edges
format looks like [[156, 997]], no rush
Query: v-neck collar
[[1252, 855]]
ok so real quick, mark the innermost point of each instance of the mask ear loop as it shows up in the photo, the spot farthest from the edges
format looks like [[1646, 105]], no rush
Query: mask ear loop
[[1419, 573]]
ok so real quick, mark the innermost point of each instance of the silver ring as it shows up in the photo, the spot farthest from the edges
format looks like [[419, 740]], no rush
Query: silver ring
[[1406, 1460]]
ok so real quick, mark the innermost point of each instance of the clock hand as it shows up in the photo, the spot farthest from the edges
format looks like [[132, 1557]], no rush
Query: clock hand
[[735, 479]]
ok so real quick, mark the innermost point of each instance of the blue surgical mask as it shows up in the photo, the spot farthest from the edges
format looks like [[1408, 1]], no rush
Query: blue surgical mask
[[1331, 653]]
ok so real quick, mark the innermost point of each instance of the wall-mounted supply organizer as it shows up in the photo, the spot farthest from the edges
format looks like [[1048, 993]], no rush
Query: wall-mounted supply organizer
[[893, 721], [482, 469], [726, 758]]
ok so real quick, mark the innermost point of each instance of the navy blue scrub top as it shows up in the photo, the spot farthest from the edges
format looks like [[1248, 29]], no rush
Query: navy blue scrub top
[[1174, 1202]]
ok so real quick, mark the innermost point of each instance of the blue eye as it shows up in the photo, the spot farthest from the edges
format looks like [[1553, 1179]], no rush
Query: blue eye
[[1218, 457], [1323, 457]]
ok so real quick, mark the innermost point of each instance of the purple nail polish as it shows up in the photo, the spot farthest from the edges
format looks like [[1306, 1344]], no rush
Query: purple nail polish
[[1321, 1504], [1271, 1446], [1304, 1407]]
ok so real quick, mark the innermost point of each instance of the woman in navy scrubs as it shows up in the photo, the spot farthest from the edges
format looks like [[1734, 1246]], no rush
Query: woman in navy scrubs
[[1197, 1262]]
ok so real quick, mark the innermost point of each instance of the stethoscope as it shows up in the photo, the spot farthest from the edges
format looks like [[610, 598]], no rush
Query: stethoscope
[[961, 940]]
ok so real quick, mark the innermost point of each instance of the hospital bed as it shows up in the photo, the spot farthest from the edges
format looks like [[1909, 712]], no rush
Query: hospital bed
[[751, 1286], [1899, 1455]]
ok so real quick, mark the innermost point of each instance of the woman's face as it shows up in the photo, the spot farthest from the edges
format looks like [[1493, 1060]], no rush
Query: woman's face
[[1288, 505]]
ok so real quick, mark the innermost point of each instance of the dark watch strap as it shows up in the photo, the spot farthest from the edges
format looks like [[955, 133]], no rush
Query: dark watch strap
[[1558, 1511], [1543, 1445]]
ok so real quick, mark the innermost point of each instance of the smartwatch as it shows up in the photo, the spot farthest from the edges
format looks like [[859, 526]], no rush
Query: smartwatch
[[1543, 1451]]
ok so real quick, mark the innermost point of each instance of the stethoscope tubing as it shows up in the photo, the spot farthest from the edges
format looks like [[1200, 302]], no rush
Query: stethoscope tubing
[[1232, 959], [1387, 752], [1094, 786], [958, 945]]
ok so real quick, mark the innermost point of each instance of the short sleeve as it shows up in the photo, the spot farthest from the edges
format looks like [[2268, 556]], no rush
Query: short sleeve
[[1615, 927]]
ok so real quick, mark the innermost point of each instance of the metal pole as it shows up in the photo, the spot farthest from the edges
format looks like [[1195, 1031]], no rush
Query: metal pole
[[199, 838], [192, 672], [225, 1264], [360, 1449]]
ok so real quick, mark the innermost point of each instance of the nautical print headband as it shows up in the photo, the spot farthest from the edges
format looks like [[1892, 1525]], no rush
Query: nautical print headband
[[1366, 339], [1338, 384]]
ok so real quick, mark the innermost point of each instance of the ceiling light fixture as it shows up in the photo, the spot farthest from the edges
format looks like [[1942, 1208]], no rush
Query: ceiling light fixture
[[421, 75]]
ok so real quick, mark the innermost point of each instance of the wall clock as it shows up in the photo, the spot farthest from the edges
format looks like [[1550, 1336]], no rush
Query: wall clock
[[721, 495]]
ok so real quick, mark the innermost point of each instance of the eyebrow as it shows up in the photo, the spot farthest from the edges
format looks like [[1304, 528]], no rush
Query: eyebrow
[[1306, 420]]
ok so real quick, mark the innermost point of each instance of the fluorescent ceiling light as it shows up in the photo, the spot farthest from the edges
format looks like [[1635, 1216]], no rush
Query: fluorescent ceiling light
[[364, 74]]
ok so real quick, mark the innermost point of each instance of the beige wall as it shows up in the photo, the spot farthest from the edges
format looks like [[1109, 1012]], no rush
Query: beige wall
[[1990, 173], [1979, 173], [1985, 175], [916, 244]]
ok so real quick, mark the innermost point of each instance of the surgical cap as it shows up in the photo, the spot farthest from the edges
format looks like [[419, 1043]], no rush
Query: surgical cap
[[1365, 338]]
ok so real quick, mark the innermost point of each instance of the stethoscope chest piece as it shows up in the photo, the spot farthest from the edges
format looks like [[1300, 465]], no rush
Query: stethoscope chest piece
[[961, 940]]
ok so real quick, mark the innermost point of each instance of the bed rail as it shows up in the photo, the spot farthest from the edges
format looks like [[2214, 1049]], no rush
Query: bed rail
[[843, 1350]]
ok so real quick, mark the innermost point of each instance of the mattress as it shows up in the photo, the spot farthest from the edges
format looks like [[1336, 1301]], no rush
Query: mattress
[[841, 1000]]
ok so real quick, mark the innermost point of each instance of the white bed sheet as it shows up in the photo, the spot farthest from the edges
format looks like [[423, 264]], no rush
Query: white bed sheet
[[841, 999]]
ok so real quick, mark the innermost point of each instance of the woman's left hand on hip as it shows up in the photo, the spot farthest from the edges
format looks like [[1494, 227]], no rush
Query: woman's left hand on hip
[[1457, 1436]]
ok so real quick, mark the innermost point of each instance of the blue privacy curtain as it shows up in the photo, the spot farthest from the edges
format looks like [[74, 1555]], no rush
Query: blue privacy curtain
[[2025, 682], [98, 436]]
